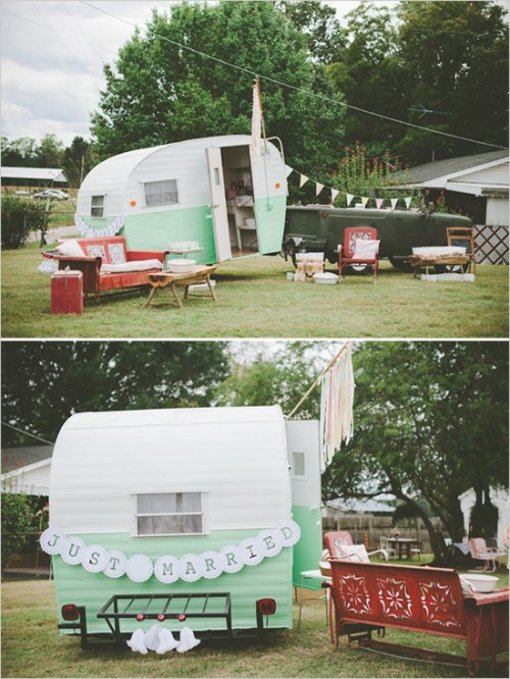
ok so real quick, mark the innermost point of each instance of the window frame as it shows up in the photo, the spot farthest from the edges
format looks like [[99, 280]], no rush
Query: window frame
[[137, 514], [160, 181], [96, 207]]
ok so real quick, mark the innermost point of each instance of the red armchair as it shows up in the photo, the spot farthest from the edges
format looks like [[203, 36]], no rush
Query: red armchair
[[363, 255]]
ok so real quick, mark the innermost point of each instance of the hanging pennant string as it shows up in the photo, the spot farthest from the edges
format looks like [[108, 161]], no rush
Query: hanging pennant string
[[335, 358]]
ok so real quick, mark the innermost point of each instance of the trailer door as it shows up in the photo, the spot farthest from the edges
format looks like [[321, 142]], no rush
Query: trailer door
[[218, 205], [304, 469]]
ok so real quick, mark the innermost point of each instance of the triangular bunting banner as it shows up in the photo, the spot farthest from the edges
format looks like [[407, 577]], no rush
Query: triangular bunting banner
[[408, 201], [349, 199], [379, 202], [288, 170], [364, 201], [394, 202], [334, 194], [303, 179], [318, 188]]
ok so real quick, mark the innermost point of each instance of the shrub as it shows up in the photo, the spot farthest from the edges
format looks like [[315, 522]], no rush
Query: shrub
[[16, 524], [19, 218]]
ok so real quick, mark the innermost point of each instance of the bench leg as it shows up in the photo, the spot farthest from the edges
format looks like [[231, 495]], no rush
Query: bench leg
[[174, 291], [149, 299], [211, 289]]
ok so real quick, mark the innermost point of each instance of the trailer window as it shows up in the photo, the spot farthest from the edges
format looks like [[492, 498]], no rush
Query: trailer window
[[169, 513], [161, 193], [97, 206], [298, 465]]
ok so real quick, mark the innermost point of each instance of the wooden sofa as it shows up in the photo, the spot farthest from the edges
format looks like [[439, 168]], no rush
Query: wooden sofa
[[107, 264], [369, 597]]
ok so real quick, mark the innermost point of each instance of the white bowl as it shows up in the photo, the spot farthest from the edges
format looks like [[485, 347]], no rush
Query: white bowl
[[325, 278], [481, 583], [181, 265]]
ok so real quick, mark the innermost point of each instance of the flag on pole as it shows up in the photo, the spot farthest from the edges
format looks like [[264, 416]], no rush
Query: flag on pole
[[302, 180], [256, 119], [318, 188], [337, 399]]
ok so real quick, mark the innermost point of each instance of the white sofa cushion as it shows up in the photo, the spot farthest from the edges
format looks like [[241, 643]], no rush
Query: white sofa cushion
[[439, 251], [70, 248], [136, 265]]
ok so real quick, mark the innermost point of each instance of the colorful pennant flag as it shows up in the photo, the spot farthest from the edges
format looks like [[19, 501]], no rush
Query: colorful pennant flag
[[318, 188], [394, 202], [288, 170], [379, 202], [303, 179], [334, 194], [364, 201], [350, 198], [408, 201]]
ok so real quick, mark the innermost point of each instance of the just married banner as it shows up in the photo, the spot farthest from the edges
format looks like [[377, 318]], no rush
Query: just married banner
[[170, 568]]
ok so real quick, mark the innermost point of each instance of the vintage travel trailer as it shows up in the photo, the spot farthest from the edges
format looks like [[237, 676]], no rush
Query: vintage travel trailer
[[216, 193], [201, 512]]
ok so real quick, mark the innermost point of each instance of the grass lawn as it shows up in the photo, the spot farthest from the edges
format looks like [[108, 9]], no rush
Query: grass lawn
[[255, 300], [31, 647]]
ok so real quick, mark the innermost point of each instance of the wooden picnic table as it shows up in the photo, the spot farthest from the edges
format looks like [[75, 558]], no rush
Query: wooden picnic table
[[425, 262], [166, 279]]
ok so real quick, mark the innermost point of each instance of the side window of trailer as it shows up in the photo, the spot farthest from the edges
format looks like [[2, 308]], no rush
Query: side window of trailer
[[97, 206], [169, 513], [161, 193]]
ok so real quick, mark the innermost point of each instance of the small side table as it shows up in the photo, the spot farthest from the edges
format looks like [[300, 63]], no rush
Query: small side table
[[185, 251], [165, 279]]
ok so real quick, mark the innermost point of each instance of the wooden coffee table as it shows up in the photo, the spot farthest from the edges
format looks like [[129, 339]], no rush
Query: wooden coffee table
[[165, 279], [421, 262]]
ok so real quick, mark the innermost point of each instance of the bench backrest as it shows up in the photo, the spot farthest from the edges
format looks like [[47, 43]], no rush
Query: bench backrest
[[111, 249], [408, 597]]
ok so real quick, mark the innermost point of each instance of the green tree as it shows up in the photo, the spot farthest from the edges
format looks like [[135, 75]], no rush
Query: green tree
[[454, 58], [281, 378], [44, 383], [430, 421], [20, 217], [20, 152], [50, 152], [368, 73], [317, 21], [16, 524], [78, 160], [159, 92]]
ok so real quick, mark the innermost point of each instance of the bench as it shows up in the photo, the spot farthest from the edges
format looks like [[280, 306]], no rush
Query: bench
[[369, 597], [107, 264]]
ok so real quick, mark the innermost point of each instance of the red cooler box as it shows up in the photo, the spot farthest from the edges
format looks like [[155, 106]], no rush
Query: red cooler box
[[67, 292]]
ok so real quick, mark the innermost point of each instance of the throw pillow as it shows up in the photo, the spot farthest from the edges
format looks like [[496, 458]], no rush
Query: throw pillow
[[116, 252], [366, 249], [355, 553], [96, 251], [70, 248]]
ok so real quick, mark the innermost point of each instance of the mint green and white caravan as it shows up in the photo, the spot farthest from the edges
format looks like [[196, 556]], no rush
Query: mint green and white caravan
[[216, 194], [182, 516]]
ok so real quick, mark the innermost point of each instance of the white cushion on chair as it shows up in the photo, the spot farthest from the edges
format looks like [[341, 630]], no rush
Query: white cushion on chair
[[355, 553], [365, 249]]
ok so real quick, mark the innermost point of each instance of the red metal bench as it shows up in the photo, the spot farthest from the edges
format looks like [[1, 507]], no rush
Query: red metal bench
[[108, 250], [370, 597]]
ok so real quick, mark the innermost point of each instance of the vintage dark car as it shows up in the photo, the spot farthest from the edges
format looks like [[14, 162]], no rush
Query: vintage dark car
[[320, 228]]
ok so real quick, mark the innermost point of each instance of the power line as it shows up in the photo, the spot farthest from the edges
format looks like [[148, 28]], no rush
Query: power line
[[27, 433], [294, 87]]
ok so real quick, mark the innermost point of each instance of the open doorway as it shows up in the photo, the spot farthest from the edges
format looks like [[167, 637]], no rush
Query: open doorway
[[239, 194]]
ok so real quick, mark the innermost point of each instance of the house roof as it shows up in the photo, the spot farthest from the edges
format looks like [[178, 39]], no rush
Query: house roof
[[439, 168], [15, 458], [51, 174], [360, 506]]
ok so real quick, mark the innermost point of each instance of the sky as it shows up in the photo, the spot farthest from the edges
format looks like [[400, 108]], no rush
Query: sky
[[52, 57]]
